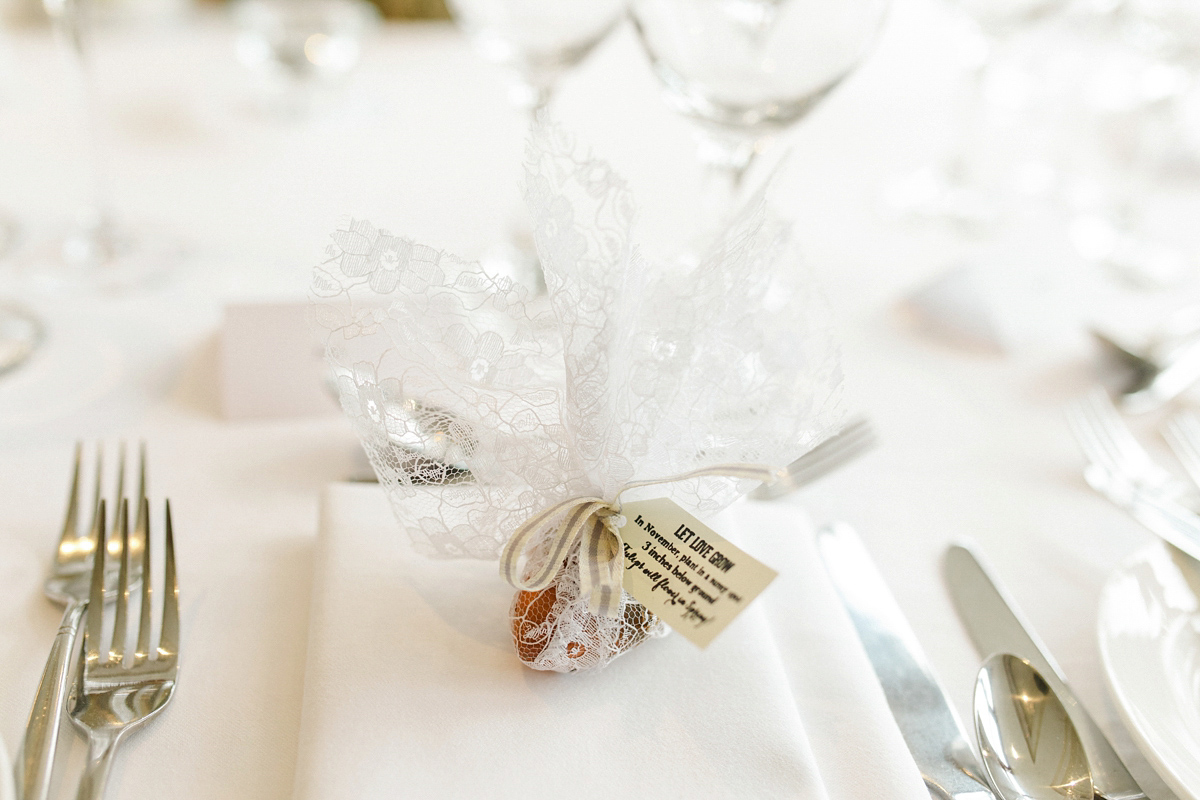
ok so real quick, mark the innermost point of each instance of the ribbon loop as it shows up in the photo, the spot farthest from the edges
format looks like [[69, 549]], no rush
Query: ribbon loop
[[597, 522]]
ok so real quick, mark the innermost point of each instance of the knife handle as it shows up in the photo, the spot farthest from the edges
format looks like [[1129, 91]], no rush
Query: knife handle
[[35, 761]]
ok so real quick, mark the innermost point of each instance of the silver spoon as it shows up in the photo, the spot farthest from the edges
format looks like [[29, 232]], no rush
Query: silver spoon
[[1029, 745]]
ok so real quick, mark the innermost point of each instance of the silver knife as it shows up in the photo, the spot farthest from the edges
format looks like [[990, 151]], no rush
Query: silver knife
[[996, 626], [931, 730]]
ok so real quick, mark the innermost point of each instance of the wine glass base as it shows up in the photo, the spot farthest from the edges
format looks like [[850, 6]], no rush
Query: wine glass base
[[933, 195], [518, 261], [9, 233], [20, 334], [116, 261], [1135, 259]]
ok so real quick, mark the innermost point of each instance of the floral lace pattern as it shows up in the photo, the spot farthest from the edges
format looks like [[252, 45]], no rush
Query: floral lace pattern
[[553, 630], [479, 404]]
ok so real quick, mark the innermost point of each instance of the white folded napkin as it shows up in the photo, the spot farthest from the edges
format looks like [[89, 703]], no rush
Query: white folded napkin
[[412, 688], [855, 739]]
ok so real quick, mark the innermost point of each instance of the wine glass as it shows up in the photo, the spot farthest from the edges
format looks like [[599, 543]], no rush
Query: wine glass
[[96, 251], [952, 191], [297, 48], [20, 331], [535, 42], [745, 70], [20, 334], [1156, 59]]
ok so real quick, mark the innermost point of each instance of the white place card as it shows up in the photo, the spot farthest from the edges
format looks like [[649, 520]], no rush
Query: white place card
[[271, 364]]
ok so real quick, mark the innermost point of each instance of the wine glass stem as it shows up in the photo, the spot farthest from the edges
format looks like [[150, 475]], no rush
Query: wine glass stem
[[964, 159], [542, 96], [518, 257], [726, 158], [92, 238], [1132, 176]]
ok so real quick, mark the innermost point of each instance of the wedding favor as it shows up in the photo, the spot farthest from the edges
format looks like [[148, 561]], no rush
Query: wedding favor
[[524, 428]]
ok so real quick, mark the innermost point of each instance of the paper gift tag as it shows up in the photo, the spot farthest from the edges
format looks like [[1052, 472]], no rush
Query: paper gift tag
[[693, 578]]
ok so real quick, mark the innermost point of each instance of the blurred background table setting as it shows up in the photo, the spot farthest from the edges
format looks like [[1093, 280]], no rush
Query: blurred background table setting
[[989, 208]]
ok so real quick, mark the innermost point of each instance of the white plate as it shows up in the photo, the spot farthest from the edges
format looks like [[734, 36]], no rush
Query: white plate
[[1149, 631]]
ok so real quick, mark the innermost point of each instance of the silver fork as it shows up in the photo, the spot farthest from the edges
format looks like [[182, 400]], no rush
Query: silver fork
[[1120, 470], [1107, 441], [847, 444], [1183, 435], [67, 585], [115, 694]]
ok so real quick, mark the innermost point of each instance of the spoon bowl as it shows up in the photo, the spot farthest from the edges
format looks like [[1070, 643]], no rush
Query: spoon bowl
[[1029, 746]]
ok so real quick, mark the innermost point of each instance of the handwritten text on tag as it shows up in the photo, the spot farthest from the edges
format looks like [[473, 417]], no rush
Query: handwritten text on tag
[[694, 579]]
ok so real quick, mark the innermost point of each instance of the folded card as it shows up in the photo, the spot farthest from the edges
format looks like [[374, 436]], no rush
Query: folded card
[[270, 364]]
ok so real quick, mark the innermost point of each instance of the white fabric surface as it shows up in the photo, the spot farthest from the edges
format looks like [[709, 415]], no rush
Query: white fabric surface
[[424, 139], [6, 784], [397, 640]]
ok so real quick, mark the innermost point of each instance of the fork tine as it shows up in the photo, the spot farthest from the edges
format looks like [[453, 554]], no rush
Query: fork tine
[[1086, 430], [95, 610], [1189, 428], [120, 495], [168, 645], [143, 642], [1183, 435], [1114, 430], [99, 475], [857, 437], [1115, 445], [1137, 459], [852, 435], [1093, 415], [141, 492], [116, 653], [1082, 432], [140, 526], [141, 470], [835, 455], [71, 524]]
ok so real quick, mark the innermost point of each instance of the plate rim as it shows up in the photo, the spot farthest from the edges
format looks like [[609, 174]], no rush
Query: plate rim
[[1141, 738]]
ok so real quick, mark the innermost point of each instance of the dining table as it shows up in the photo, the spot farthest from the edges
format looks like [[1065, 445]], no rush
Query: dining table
[[421, 140]]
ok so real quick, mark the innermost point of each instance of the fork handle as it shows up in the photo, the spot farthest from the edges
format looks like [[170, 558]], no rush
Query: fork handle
[[35, 762], [95, 774]]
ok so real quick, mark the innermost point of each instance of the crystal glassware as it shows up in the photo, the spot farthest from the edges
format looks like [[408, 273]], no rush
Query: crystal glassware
[[535, 42], [97, 251], [1153, 52], [745, 70], [9, 230], [20, 334], [20, 331], [297, 48], [951, 191]]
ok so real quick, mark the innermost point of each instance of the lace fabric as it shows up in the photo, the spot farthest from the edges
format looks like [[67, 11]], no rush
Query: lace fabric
[[479, 405], [553, 630]]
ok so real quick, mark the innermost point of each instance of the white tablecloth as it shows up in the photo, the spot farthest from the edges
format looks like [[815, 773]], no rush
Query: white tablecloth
[[423, 143]]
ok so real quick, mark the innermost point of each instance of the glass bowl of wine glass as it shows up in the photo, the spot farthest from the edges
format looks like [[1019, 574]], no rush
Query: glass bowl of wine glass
[[745, 70]]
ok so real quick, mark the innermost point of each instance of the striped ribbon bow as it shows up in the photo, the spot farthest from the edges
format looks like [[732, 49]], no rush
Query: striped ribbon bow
[[599, 522]]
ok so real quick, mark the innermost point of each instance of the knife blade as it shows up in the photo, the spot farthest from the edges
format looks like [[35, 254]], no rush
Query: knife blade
[[932, 732], [996, 626]]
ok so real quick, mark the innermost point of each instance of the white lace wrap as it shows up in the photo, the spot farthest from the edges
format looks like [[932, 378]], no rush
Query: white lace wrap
[[480, 405]]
